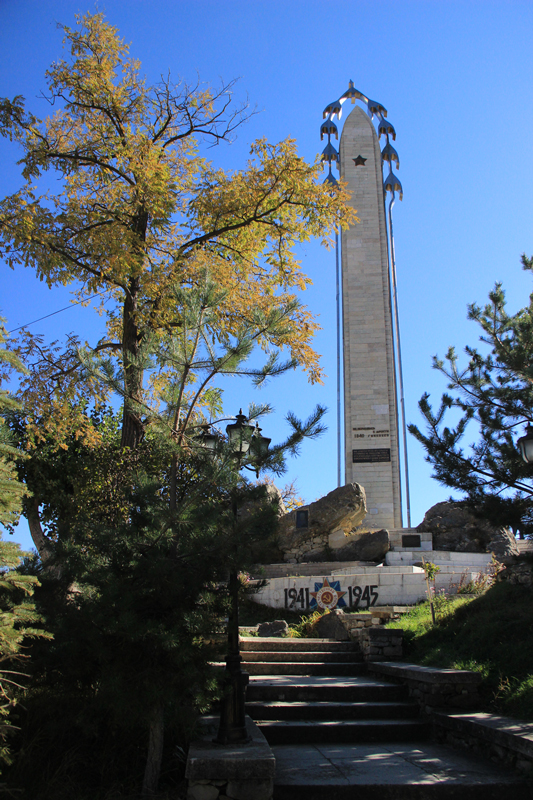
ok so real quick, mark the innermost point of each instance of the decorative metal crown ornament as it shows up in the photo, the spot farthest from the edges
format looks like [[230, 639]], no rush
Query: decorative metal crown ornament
[[384, 128]]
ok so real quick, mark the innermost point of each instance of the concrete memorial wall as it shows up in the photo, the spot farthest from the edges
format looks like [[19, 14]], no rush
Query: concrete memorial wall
[[399, 582]]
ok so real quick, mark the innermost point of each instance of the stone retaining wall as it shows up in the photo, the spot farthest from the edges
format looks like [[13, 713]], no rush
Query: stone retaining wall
[[230, 772], [439, 691], [434, 689], [504, 740], [378, 644], [366, 588]]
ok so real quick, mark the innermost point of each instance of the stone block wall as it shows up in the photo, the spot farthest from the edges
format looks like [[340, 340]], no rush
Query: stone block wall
[[212, 789], [501, 739], [230, 772], [381, 644], [366, 587], [434, 689], [444, 696]]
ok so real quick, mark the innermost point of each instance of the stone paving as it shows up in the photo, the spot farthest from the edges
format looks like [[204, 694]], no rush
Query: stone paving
[[392, 764], [360, 753]]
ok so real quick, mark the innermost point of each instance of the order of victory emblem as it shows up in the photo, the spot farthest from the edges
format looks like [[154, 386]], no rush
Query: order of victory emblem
[[328, 595]]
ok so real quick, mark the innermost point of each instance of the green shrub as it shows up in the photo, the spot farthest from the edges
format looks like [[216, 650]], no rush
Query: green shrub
[[307, 627], [490, 633]]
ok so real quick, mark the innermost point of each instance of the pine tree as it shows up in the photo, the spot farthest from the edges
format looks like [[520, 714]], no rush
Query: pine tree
[[144, 536], [493, 395], [18, 618], [17, 612], [11, 490]]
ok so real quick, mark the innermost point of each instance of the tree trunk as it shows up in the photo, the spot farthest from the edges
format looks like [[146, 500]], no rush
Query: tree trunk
[[34, 523], [132, 427], [155, 752], [42, 544]]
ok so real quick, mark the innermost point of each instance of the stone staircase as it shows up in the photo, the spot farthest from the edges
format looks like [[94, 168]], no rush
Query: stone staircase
[[318, 690], [335, 729]]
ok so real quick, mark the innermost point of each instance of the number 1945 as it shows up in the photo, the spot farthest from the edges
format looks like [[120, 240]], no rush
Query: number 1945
[[357, 596]]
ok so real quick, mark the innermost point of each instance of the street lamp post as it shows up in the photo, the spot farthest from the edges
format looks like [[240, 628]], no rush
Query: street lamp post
[[248, 448], [525, 443]]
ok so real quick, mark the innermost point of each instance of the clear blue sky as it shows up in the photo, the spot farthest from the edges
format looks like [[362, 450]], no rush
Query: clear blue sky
[[456, 79]]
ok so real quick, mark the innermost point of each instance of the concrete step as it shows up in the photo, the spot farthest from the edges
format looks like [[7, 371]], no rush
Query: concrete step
[[390, 771], [320, 710], [378, 789], [301, 657], [358, 689], [305, 568], [286, 645], [342, 731], [301, 668]]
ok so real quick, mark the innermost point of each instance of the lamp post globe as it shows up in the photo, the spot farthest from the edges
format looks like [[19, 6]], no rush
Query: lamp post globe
[[239, 435], [525, 444]]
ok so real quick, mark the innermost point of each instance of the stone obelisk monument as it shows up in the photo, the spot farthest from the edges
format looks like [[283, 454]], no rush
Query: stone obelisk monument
[[370, 406]]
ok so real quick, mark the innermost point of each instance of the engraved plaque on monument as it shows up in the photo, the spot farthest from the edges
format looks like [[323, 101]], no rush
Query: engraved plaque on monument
[[374, 456]]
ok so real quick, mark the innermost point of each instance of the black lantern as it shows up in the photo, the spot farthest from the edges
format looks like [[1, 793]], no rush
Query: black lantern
[[525, 443], [259, 443], [239, 435], [208, 437]]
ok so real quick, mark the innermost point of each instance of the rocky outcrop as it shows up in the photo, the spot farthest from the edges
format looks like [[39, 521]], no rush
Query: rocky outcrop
[[330, 530], [330, 626], [518, 570], [454, 527], [271, 496], [276, 628], [371, 546]]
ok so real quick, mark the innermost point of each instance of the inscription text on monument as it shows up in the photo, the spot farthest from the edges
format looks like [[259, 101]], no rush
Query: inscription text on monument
[[374, 456]]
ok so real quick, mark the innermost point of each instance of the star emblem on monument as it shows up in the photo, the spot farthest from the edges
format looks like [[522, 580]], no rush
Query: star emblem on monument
[[359, 161], [327, 595]]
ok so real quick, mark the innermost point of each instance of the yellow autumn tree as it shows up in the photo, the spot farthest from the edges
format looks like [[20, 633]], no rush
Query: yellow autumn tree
[[140, 211]]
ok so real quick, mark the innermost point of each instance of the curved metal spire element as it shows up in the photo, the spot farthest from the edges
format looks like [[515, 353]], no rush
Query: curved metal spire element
[[392, 184], [333, 108], [385, 128], [389, 154], [330, 153], [353, 94], [328, 128], [375, 108]]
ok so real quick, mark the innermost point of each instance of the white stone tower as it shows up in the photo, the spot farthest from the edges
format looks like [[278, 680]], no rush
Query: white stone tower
[[370, 409], [370, 331]]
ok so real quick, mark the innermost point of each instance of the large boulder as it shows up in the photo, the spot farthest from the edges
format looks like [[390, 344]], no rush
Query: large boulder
[[267, 503], [329, 626], [454, 527], [330, 530], [271, 496], [370, 546], [518, 570], [276, 628]]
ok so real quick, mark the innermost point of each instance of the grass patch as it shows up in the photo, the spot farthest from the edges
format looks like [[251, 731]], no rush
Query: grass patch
[[491, 633]]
